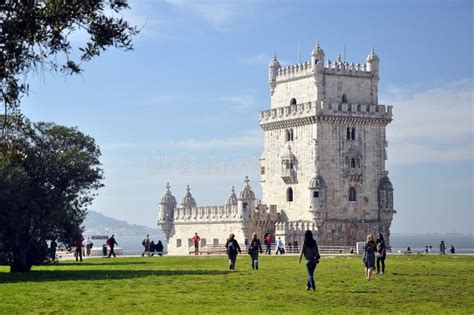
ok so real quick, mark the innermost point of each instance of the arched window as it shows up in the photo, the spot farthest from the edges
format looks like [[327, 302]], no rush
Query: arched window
[[352, 194], [344, 98], [348, 133], [353, 163], [293, 101], [291, 134], [353, 134], [289, 194], [287, 135]]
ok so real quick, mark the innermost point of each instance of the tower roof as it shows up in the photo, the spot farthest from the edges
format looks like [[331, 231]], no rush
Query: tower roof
[[188, 201], [168, 198], [274, 63], [372, 57], [247, 193], [232, 200], [317, 50]]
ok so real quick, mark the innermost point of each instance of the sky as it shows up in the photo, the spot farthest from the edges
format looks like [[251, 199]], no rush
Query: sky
[[183, 106]]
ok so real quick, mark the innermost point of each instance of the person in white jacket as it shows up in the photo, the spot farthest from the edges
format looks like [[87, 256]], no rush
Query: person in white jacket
[[280, 247]]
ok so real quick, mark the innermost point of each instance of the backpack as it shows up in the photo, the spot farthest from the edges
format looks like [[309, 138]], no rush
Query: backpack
[[231, 248], [107, 241]]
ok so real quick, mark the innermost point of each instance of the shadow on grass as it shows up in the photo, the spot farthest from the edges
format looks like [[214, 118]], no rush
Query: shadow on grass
[[101, 263], [98, 275]]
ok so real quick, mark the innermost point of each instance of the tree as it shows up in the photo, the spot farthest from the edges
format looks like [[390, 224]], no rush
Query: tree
[[35, 35], [48, 177]]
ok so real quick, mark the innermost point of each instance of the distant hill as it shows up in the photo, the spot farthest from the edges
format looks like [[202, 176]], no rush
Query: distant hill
[[99, 224]]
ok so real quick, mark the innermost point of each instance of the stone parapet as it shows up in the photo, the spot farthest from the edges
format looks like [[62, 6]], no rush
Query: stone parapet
[[288, 116], [206, 214], [363, 112]]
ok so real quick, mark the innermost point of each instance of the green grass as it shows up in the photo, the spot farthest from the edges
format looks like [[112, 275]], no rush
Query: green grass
[[412, 284]]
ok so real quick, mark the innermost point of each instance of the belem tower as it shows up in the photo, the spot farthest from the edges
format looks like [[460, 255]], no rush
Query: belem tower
[[322, 168]]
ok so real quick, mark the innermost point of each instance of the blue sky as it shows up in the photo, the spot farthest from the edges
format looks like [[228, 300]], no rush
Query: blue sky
[[183, 106]]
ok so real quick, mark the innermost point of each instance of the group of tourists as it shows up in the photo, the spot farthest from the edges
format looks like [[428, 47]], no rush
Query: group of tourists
[[150, 248], [374, 250]]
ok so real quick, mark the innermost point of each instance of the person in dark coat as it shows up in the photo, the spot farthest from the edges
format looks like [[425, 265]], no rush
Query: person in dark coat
[[255, 248], [452, 250], [310, 251], [78, 251], [380, 253], [159, 248], [232, 249], [112, 243], [369, 256]]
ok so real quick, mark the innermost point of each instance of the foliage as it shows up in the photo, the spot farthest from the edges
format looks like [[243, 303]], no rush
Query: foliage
[[423, 284], [36, 35], [48, 176]]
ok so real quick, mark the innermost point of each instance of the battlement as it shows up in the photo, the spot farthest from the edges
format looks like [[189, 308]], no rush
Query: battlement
[[336, 68], [211, 213], [298, 114], [354, 110]]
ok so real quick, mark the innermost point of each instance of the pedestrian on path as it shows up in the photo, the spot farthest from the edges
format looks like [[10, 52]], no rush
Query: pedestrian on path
[[310, 251], [254, 249], [232, 249], [112, 243], [369, 256]]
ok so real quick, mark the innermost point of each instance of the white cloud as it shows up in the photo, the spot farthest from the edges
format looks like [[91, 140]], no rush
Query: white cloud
[[249, 139], [240, 101], [219, 14], [435, 125]]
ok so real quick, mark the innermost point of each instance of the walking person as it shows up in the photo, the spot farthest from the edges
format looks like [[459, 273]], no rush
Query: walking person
[[89, 245], [112, 243], [159, 248], [381, 253], [196, 240], [232, 249], [52, 247], [310, 252], [255, 248], [268, 244], [146, 245], [78, 251], [442, 248], [369, 256], [280, 248]]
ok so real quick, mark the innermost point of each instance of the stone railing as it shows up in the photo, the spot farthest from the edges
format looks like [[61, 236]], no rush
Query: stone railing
[[354, 110], [212, 213]]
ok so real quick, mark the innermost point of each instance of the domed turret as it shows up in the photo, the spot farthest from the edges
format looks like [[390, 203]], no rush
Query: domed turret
[[373, 62], [247, 193], [188, 201], [273, 68], [317, 57], [168, 200], [246, 202], [232, 200]]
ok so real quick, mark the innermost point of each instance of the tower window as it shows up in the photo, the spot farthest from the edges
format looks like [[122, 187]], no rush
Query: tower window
[[352, 194], [293, 101], [178, 242], [289, 194], [353, 163], [316, 194], [348, 133], [344, 98], [291, 134], [262, 170], [353, 133]]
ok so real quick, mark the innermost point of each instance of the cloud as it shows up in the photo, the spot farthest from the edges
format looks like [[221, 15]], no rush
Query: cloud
[[218, 14], [241, 101], [434, 125], [249, 139]]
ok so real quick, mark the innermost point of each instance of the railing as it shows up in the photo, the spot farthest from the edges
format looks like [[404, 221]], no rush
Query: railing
[[221, 250]]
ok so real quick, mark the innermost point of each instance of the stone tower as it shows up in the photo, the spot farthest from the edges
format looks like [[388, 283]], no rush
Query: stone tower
[[323, 165]]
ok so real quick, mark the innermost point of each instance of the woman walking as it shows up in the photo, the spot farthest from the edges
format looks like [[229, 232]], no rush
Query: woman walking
[[232, 248], [369, 256], [311, 253], [381, 253], [254, 248]]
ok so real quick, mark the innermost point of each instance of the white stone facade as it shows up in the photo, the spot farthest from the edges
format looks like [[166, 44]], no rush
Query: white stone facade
[[323, 165]]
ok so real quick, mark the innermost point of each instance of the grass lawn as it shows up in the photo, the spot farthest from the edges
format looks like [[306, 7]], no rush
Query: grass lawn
[[412, 284]]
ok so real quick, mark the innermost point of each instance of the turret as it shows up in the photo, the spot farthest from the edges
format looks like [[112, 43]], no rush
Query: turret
[[317, 190], [246, 201], [273, 68], [232, 200], [167, 208], [317, 57], [188, 201], [373, 62]]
